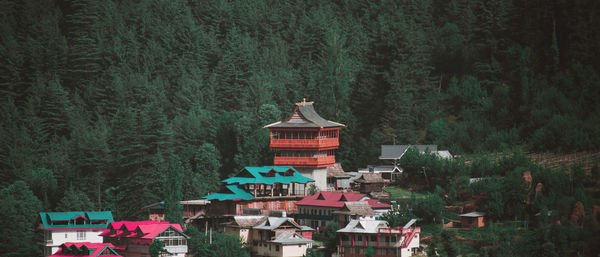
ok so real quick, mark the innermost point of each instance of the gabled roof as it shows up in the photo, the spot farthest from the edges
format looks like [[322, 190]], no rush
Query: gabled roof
[[369, 178], [230, 192], [356, 208], [272, 223], [336, 171], [395, 152], [386, 168], [305, 116], [268, 175], [85, 249], [364, 226], [330, 199], [91, 220], [290, 237], [247, 221], [147, 229]]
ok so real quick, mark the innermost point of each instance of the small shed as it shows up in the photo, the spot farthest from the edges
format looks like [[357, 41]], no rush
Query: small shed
[[337, 178], [472, 220], [369, 182]]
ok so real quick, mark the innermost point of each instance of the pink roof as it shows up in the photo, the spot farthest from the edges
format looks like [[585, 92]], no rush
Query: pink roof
[[375, 204], [330, 199], [149, 228], [98, 247], [334, 199]]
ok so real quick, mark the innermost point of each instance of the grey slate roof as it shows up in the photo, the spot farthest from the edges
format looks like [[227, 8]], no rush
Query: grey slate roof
[[309, 118], [363, 226], [247, 221], [274, 222], [356, 208], [290, 237], [394, 152], [473, 214]]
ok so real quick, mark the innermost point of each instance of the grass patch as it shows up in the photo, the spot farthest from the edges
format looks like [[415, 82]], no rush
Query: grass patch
[[397, 192]]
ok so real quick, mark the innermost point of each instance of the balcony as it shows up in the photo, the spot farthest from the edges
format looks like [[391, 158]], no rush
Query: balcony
[[306, 143], [311, 162]]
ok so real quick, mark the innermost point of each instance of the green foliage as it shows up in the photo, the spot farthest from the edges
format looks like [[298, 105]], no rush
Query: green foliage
[[172, 191], [429, 208], [329, 237], [157, 248], [20, 209], [397, 217], [223, 245], [75, 200], [369, 252]]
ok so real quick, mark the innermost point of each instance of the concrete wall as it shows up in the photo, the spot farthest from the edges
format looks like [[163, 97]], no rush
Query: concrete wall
[[319, 175], [59, 237]]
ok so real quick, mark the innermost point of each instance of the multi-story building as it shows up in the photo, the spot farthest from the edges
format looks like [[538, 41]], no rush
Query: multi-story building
[[305, 141], [86, 249], [271, 236], [264, 188], [76, 226], [358, 235], [280, 236], [192, 209], [133, 238], [317, 210]]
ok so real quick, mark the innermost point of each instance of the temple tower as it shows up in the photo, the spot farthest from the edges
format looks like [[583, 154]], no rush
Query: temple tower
[[305, 141]]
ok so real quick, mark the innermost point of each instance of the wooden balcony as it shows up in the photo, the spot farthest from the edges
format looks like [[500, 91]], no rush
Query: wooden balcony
[[309, 162], [326, 143]]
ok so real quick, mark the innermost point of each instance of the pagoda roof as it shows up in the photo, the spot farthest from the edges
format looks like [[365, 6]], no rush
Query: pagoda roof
[[305, 116], [230, 192], [268, 175]]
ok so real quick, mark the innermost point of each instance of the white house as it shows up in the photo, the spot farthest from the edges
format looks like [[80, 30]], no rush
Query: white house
[[76, 226]]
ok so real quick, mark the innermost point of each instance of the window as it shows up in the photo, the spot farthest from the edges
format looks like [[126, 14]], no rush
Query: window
[[277, 248], [80, 235], [65, 235]]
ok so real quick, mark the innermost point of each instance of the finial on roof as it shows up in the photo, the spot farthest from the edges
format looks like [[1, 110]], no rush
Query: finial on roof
[[304, 102]]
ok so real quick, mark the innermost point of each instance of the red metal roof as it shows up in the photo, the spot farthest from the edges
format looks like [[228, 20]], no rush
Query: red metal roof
[[337, 200], [96, 247], [330, 199], [147, 229]]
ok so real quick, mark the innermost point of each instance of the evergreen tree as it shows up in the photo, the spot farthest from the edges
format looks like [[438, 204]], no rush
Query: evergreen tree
[[172, 191], [21, 211]]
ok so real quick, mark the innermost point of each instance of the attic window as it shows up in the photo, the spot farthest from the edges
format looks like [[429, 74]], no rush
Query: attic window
[[271, 173], [289, 172], [320, 197], [343, 198]]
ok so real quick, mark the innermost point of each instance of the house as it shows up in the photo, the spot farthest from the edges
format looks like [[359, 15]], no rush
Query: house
[[369, 182], [265, 188], [358, 235], [133, 238], [395, 152], [388, 172], [316, 210], [337, 179], [305, 141], [76, 227], [472, 220], [354, 211], [192, 209], [86, 249], [280, 236]]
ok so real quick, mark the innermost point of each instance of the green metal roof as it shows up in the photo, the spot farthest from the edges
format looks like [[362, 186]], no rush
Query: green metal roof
[[258, 175], [235, 193], [49, 219]]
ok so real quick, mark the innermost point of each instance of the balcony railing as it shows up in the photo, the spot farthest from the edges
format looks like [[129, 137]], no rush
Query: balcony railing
[[305, 143], [304, 161]]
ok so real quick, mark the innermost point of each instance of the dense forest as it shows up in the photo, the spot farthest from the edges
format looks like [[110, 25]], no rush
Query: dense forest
[[103, 101]]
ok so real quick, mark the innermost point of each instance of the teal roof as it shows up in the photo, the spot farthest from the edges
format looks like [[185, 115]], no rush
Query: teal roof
[[268, 175], [70, 220], [232, 192]]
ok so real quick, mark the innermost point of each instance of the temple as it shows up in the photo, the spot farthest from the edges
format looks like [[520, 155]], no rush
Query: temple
[[305, 141]]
